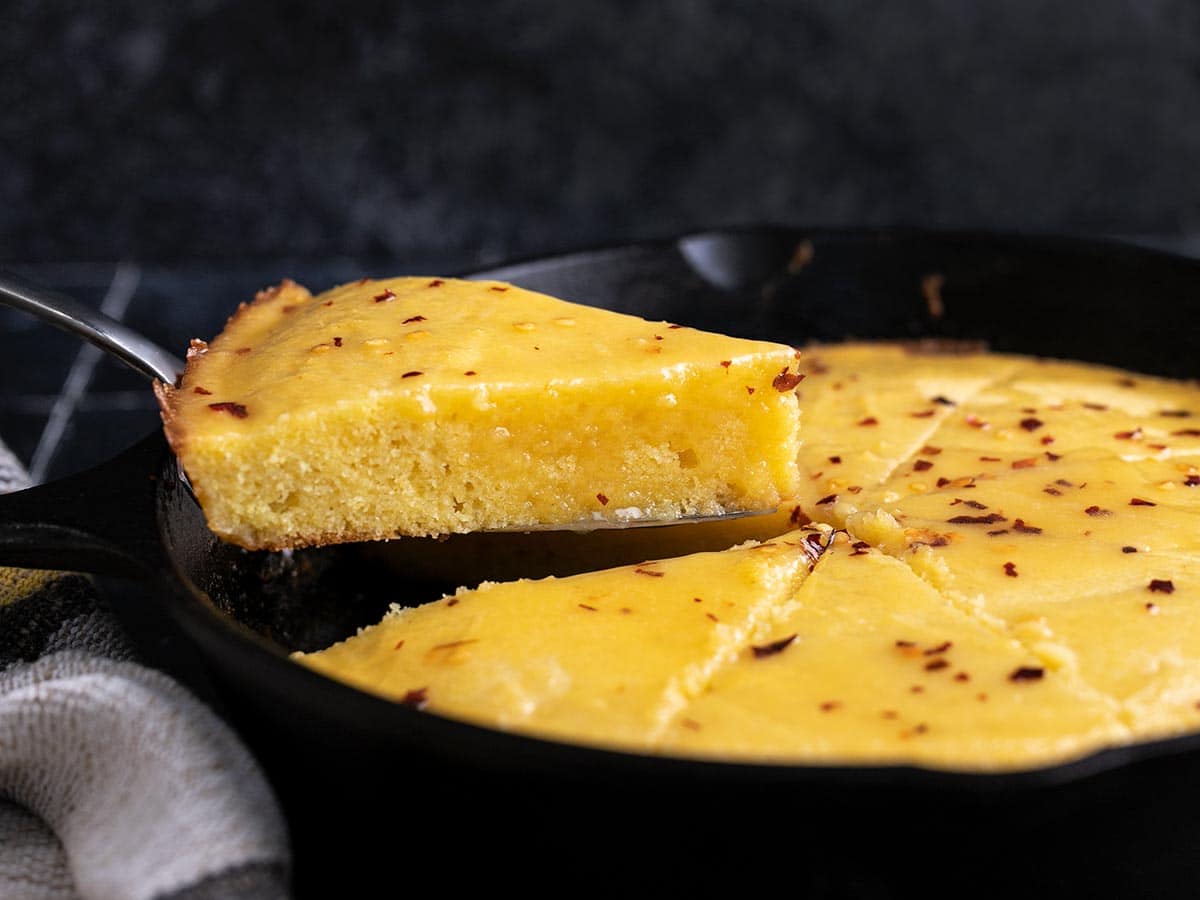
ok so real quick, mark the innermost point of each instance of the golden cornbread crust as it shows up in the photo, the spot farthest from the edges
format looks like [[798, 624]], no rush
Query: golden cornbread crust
[[427, 406]]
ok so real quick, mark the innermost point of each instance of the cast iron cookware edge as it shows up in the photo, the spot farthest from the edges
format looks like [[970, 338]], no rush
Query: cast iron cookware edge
[[323, 742]]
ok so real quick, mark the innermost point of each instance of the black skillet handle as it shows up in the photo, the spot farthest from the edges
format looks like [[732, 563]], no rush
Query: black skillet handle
[[102, 521]]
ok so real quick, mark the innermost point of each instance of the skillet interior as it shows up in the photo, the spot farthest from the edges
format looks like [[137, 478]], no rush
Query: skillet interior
[[1081, 300]]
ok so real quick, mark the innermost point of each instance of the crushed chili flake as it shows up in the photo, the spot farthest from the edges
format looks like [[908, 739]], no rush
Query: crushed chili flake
[[674, 326], [785, 381], [1020, 526], [830, 705], [989, 519], [749, 390], [922, 465], [944, 401], [603, 499], [917, 689], [470, 372], [1096, 511], [890, 714], [923, 414], [1152, 608], [413, 319], [990, 459], [1186, 432], [642, 570], [399, 644], [327, 303], [1128, 549], [1138, 501], [771, 649], [860, 548], [798, 517], [202, 391], [1161, 586], [498, 288], [935, 665], [388, 294], [1175, 413], [588, 608], [1027, 673], [337, 342], [417, 699], [997, 532], [869, 420], [836, 460], [1046, 440], [726, 363], [975, 422], [1126, 382], [962, 676], [1032, 424], [1192, 481], [1053, 457], [825, 501], [930, 450], [1097, 406], [237, 410], [1010, 569], [1028, 463], [1133, 435], [942, 482], [242, 351], [902, 643], [940, 648], [411, 374], [712, 617], [973, 504], [1052, 491]]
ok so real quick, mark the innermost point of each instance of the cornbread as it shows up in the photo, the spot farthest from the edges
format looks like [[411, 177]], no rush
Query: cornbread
[[429, 406], [996, 567]]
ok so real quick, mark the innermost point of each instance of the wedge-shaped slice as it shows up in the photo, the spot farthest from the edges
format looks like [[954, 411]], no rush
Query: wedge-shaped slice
[[425, 406], [873, 666], [606, 657]]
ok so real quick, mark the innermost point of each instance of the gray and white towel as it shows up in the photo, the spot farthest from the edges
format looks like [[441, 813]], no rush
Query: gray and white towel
[[115, 781]]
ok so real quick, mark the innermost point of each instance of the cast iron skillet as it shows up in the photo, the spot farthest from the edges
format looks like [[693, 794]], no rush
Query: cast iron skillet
[[335, 753]]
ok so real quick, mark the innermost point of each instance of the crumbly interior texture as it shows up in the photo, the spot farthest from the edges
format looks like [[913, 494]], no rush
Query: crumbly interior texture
[[993, 564], [429, 406]]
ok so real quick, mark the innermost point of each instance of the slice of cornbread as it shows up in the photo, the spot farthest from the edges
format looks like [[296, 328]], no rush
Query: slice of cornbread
[[426, 406], [608, 657]]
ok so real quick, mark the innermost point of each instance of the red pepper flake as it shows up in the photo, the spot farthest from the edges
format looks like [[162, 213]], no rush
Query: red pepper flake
[[1010, 569], [1046, 440], [771, 649], [1134, 435], [942, 482], [1192, 481], [387, 294], [825, 501], [437, 282], [291, 307], [1128, 549], [1161, 586], [1027, 673], [470, 372], [1052, 491], [453, 601], [940, 648], [1097, 512], [784, 381], [1175, 413], [917, 689], [603, 499], [799, 518], [923, 414], [1152, 608], [327, 303], [749, 390], [674, 326], [712, 617], [642, 570], [658, 337], [1138, 501], [943, 401], [962, 676], [997, 532], [413, 319], [930, 450], [726, 363], [417, 699], [989, 519], [922, 465], [973, 504], [975, 422], [625, 610], [237, 410], [337, 342], [892, 714], [1053, 457], [242, 351], [836, 460], [1028, 463], [588, 608], [861, 548], [1020, 526], [204, 392], [411, 374], [1186, 432], [1032, 424], [1097, 406], [935, 664], [497, 288], [1126, 382], [868, 421], [990, 459], [399, 644], [830, 705]]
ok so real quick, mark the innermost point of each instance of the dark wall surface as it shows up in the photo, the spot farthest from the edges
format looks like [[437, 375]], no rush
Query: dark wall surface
[[214, 129]]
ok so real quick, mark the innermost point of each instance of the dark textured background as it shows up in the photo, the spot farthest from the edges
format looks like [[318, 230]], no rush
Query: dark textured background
[[468, 132]]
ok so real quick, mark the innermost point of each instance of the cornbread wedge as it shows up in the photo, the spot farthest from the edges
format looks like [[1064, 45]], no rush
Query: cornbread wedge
[[428, 406]]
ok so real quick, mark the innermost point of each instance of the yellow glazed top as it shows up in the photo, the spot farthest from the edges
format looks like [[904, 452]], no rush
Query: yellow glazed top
[[1014, 582]]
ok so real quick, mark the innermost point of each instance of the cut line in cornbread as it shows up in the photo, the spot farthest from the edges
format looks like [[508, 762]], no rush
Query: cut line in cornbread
[[429, 406]]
